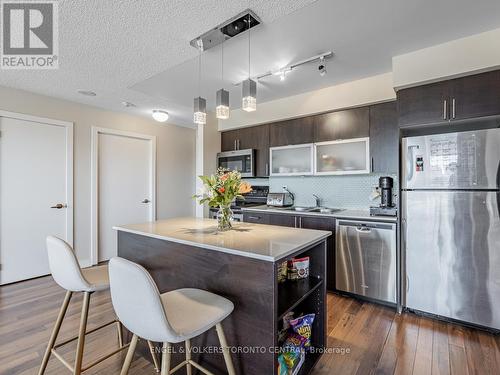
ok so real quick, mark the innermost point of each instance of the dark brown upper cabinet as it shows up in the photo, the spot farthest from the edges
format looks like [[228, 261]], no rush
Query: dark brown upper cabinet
[[229, 140], [346, 124], [422, 105], [384, 138], [291, 132], [457, 99], [475, 96], [256, 137]]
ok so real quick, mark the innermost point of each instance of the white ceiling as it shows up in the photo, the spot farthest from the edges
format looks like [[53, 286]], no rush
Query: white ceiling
[[138, 51]]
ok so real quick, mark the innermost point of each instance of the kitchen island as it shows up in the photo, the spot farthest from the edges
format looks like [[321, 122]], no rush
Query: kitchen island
[[241, 265]]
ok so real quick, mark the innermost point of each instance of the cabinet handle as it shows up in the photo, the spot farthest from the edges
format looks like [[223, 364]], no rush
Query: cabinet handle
[[295, 222], [300, 222], [371, 168], [238, 144], [267, 169], [235, 141], [453, 108], [445, 109], [254, 217]]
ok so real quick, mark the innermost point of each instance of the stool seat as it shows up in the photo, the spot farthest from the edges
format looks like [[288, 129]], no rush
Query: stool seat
[[192, 312], [97, 278]]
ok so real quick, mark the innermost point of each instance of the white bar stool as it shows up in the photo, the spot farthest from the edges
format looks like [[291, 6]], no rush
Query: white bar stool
[[67, 273], [168, 318]]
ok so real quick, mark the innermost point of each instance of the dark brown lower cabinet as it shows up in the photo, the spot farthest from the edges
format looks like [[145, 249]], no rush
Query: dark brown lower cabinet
[[305, 222], [285, 220], [324, 223]]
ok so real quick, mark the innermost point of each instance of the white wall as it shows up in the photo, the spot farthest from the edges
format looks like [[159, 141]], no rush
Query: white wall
[[472, 54], [351, 94], [175, 155], [207, 147]]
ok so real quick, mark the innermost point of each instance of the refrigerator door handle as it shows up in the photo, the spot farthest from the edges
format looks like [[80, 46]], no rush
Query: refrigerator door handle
[[409, 162]]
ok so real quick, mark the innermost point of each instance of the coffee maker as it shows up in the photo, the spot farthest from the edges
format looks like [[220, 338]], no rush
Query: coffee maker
[[386, 207]]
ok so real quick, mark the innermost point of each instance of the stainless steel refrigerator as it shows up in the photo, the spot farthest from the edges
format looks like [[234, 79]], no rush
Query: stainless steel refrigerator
[[451, 225]]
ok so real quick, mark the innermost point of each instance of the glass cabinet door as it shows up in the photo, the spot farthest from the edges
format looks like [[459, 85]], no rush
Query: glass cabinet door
[[351, 156], [294, 160]]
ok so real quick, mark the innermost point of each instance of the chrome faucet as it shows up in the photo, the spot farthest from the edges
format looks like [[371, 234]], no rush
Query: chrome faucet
[[318, 200]]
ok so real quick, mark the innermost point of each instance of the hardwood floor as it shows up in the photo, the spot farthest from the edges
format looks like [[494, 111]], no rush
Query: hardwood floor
[[363, 338]]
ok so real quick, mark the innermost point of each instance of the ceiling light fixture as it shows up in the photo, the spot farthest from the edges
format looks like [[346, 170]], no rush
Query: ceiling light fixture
[[200, 104], [87, 92], [322, 66], [159, 115], [249, 89], [282, 73], [222, 96], [287, 69]]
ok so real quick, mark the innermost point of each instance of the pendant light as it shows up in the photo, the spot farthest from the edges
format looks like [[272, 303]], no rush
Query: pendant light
[[222, 96], [249, 87], [200, 104]]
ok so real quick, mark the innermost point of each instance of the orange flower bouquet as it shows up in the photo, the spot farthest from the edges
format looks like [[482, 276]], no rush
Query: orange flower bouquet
[[220, 190]]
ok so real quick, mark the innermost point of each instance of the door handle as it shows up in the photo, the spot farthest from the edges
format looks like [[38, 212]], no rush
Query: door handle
[[59, 206], [146, 201]]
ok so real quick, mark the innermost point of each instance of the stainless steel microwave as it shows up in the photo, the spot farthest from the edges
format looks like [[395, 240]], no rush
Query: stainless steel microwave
[[241, 160]]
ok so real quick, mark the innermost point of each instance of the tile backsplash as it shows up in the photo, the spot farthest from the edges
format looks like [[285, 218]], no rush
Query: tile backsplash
[[348, 191]]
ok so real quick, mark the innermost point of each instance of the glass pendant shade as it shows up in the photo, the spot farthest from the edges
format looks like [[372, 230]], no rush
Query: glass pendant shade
[[249, 95], [222, 104], [200, 111]]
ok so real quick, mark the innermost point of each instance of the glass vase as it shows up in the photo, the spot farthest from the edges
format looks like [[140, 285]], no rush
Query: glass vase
[[224, 218]]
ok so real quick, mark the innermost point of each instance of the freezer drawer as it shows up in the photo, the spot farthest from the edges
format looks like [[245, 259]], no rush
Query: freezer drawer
[[451, 243], [366, 259]]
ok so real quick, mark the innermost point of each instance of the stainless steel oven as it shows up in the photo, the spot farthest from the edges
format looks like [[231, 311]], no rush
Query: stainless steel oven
[[242, 161]]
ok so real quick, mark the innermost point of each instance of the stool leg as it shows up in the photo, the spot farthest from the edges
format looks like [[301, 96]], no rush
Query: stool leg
[[130, 355], [119, 331], [77, 370], [189, 367], [225, 349], [55, 332], [165, 359], [153, 354]]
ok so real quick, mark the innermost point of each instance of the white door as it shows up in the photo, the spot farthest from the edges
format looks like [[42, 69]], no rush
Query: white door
[[125, 186], [35, 174]]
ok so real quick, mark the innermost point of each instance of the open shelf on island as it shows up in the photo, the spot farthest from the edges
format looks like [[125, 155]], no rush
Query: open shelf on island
[[292, 292]]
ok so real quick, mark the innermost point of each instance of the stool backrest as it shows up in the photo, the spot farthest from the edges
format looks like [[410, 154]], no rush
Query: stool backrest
[[137, 301], [64, 265]]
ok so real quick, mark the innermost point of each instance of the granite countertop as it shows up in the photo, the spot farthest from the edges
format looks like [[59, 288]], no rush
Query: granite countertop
[[342, 214], [265, 242]]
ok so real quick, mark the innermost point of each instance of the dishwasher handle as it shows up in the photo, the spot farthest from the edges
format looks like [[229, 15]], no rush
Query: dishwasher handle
[[362, 229], [366, 226]]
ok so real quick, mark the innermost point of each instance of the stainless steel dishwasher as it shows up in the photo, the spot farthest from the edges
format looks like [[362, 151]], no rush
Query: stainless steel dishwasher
[[365, 259]]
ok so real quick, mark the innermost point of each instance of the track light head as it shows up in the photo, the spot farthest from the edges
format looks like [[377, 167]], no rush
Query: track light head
[[322, 66]]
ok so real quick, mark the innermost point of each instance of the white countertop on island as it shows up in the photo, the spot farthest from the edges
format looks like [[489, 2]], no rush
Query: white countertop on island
[[264, 242]]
